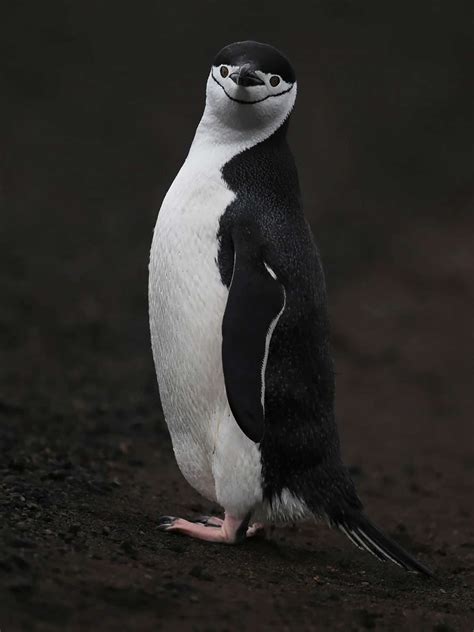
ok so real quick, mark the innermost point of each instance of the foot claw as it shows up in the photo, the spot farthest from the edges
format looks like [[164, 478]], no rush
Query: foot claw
[[166, 522]]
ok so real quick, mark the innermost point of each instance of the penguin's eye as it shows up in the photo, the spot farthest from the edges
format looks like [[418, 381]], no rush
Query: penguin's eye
[[224, 71], [274, 81]]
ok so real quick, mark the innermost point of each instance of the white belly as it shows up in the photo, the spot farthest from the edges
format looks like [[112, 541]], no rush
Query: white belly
[[187, 303]]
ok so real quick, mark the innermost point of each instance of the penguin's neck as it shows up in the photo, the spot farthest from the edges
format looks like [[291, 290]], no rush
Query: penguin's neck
[[217, 142]]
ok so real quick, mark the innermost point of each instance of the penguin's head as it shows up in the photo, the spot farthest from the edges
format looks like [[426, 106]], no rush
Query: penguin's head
[[249, 84]]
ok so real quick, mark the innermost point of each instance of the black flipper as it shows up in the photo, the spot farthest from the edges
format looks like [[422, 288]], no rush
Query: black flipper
[[256, 301], [367, 536]]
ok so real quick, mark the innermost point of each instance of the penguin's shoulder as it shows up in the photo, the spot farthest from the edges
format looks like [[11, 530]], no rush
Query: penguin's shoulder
[[265, 173], [278, 231], [266, 207]]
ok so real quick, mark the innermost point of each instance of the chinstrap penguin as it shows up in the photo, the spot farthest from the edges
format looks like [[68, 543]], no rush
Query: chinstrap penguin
[[239, 324]]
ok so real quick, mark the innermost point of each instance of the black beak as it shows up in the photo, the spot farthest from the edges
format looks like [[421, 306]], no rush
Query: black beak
[[246, 77]]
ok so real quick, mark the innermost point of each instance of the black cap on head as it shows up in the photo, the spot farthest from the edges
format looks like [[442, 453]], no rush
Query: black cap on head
[[265, 58]]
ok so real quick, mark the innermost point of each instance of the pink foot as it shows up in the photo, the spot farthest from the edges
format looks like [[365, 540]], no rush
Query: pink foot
[[257, 528], [228, 531]]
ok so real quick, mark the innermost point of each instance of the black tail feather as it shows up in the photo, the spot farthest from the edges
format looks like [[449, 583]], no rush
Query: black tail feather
[[367, 536]]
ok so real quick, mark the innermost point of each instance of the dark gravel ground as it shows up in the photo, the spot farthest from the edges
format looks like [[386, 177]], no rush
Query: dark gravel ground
[[95, 120]]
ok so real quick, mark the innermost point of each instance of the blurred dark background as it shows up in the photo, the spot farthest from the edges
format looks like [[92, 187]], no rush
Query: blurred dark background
[[98, 105]]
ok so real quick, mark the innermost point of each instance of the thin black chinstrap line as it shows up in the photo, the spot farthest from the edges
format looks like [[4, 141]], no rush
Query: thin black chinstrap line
[[251, 102]]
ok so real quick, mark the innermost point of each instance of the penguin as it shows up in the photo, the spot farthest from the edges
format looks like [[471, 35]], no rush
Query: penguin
[[239, 325]]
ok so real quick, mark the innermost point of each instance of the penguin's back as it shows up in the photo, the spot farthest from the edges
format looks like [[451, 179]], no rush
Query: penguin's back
[[300, 445]]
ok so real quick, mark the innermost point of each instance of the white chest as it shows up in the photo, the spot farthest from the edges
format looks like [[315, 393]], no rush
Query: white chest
[[187, 303], [186, 293]]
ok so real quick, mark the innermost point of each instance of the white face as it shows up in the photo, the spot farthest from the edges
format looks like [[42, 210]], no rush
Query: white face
[[243, 99]]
